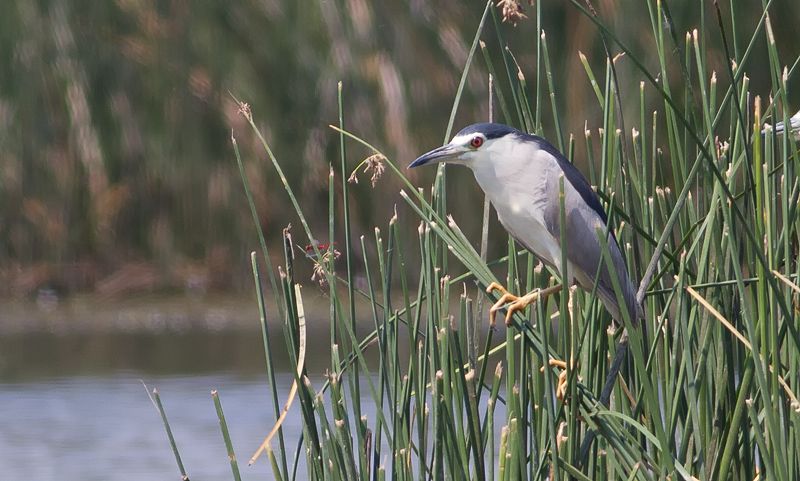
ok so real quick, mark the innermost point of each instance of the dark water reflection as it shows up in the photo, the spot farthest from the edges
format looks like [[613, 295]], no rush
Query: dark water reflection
[[33, 356], [36, 355], [153, 336]]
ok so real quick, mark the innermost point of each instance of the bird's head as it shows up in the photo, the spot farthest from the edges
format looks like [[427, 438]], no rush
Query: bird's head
[[471, 145]]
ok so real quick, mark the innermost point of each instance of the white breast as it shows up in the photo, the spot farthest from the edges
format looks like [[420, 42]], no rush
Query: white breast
[[521, 212]]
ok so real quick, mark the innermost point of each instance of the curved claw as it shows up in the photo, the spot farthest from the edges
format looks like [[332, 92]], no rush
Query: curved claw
[[561, 384], [517, 303], [496, 286], [504, 299]]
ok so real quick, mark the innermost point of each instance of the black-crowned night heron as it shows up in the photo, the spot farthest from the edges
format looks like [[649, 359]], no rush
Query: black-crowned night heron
[[520, 173]]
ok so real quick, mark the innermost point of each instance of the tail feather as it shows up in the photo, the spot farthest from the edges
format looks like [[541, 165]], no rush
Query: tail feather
[[609, 299]]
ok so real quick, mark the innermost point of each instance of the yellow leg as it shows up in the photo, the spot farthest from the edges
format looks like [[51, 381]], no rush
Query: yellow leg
[[516, 303]]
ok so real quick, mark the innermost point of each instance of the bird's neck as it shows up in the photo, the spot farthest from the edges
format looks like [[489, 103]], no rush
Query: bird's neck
[[499, 177]]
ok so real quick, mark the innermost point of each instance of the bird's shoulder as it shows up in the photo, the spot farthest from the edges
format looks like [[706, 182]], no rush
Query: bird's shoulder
[[571, 174]]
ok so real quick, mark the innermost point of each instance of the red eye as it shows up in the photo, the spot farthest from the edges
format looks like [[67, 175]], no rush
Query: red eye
[[476, 142]]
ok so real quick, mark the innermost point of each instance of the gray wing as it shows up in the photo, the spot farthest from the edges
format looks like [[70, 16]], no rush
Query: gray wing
[[584, 250]]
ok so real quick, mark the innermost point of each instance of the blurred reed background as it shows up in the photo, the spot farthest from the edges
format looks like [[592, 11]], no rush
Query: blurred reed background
[[116, 171]]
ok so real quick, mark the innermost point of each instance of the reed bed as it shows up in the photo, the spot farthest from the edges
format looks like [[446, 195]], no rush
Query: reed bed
[[705, 207]]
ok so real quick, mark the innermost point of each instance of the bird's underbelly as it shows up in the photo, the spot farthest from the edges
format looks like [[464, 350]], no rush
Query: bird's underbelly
[[520, 197], [528, 228]]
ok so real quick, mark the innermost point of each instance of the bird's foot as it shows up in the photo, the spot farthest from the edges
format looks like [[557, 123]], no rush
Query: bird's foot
[[515, 303], [505, 298], [561, 384]]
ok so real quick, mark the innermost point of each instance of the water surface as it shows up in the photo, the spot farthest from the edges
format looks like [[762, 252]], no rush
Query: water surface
[[101, 428], [73, 407]]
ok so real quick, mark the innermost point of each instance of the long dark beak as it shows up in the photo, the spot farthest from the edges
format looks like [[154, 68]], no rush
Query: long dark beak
[[440, 154]]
